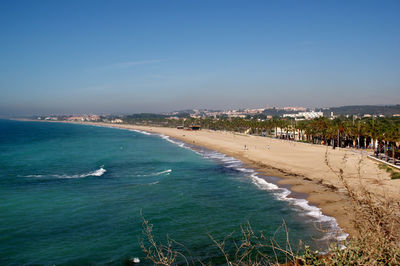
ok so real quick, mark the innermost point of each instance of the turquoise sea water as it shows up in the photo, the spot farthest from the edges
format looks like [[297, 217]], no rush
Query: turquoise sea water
[[73, 194]]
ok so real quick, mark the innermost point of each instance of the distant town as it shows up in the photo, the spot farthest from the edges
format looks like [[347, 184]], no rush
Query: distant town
[[260, 114]]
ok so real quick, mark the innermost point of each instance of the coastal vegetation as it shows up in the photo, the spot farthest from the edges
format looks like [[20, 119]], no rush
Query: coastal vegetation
[[360, 110], [395, 174]]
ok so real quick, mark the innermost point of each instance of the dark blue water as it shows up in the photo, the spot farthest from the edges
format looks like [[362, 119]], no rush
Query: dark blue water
[[73, 194]]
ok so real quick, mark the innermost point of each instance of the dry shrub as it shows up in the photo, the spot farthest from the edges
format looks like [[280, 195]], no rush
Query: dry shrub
[[253, 249], [159, 253], [377, 224], [250, 249]]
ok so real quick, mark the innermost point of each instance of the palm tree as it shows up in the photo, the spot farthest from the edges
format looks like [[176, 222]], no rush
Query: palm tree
[[282, 124], [301, 127], [379, 133], [275, 123], [392, 135], [360, 131], [332, 133], [372, 131]]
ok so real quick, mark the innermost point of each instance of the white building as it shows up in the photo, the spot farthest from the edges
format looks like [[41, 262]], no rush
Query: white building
[[306, 115], [311, 115]]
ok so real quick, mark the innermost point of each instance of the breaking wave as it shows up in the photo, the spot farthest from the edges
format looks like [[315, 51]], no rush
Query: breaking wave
[[166, 172], [141, 131], [98, 172]]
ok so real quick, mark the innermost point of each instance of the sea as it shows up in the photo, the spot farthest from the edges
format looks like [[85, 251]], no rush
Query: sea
[[79, 194]]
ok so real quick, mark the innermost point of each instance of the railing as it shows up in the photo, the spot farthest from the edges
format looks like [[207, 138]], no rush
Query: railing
[[395, 163]]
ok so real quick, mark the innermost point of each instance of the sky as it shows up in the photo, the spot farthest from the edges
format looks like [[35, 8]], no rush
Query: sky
[[118, 57]]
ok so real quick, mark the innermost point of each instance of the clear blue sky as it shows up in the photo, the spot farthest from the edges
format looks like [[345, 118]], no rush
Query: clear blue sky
[[154, 56]]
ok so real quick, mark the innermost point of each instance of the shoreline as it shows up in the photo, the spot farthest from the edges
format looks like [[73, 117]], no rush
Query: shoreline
[[281, 192], [300, 167]]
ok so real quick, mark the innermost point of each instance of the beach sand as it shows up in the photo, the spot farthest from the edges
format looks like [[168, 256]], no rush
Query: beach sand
[[302, 166]]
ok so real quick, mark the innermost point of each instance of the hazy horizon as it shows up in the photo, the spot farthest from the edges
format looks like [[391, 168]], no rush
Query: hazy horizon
[[159, 56]]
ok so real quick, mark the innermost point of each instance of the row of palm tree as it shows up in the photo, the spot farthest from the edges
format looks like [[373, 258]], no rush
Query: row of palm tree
[[380, 134], [374, 133]]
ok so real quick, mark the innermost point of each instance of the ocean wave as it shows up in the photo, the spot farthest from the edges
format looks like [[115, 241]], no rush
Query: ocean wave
[[98, 172], [176, 142], [334, 231], [166, 172], [33, 176], [169, 139], [141, 131]]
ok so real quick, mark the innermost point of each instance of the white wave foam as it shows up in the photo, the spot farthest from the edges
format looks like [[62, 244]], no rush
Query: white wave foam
[[166, 172], [177, 142], [98, 172], [312, 211], [262, 183], [167, 138], [34, 176], [141, 131]]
